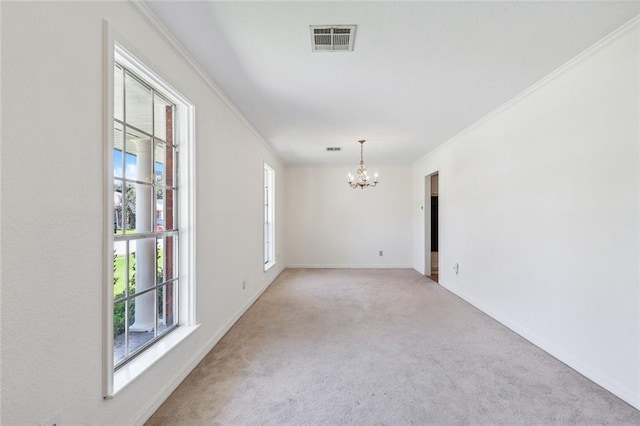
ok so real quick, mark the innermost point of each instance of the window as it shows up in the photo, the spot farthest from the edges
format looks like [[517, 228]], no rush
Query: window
[[145, 229], [150, 224], [269, 246]]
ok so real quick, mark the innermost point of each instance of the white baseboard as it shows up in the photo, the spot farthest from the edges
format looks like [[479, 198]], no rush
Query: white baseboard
[[591, 373], [163, 393], [336, 266]]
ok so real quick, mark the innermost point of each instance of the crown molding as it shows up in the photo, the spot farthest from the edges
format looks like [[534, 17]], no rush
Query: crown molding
[[154, 22], [591, 50]]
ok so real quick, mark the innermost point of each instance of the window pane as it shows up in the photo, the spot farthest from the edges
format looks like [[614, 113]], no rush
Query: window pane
[[118, 145], [128, 209], [143, 264], [163, 165], [268, 216], [170, 172], [144, 208], [159, 209], [138, 164], [167, 303], [159, 163], [160, 268], [167, 265], [118, 95], [138, 104], [119, 320], [118, 207], [120, 265], [169, 210], [138, 206], [137, 213], [163, 119], [142, 329]]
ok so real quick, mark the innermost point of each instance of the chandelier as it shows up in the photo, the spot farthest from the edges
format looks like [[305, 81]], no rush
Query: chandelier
[[362, 178]]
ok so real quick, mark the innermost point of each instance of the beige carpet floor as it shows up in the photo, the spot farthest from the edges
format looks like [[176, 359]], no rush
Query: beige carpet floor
[[380, 347]]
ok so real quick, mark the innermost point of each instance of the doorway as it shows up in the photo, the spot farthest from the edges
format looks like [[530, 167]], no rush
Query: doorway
[[431, 226]]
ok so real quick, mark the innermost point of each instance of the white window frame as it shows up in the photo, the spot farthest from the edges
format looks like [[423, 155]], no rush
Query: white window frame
[[115, 381], [269, 233]]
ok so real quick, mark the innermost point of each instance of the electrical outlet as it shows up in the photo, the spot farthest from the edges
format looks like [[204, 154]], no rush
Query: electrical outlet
[[244, 285], [380, 254], [456, 268], [55, 420]]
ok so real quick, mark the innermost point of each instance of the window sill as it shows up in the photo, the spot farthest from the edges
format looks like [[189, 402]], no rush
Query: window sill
[[268, 266], [134, 368]]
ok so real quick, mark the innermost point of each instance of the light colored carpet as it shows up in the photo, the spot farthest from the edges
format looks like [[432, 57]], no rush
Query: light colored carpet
[[380, 347]]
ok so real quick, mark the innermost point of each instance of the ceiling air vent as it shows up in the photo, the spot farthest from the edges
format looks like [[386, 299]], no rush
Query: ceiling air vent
[[334, 148], [331, 38]]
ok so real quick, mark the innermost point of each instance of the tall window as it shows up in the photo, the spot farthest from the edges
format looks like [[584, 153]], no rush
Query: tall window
[[269, 246], [145, 214]]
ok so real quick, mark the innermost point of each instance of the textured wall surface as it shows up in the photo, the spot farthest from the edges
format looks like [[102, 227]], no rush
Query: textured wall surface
[[330, 224], [539, 207], [52, 215]]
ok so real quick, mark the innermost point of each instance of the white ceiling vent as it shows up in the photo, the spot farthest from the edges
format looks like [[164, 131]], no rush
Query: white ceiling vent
[[331, 38]]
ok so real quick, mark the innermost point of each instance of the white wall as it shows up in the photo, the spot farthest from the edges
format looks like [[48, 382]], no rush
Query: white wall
[[52, 213], [539, 204], [331, 225]]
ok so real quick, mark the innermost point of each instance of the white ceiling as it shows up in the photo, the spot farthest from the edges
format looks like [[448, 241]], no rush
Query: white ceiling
[[419, 74]]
